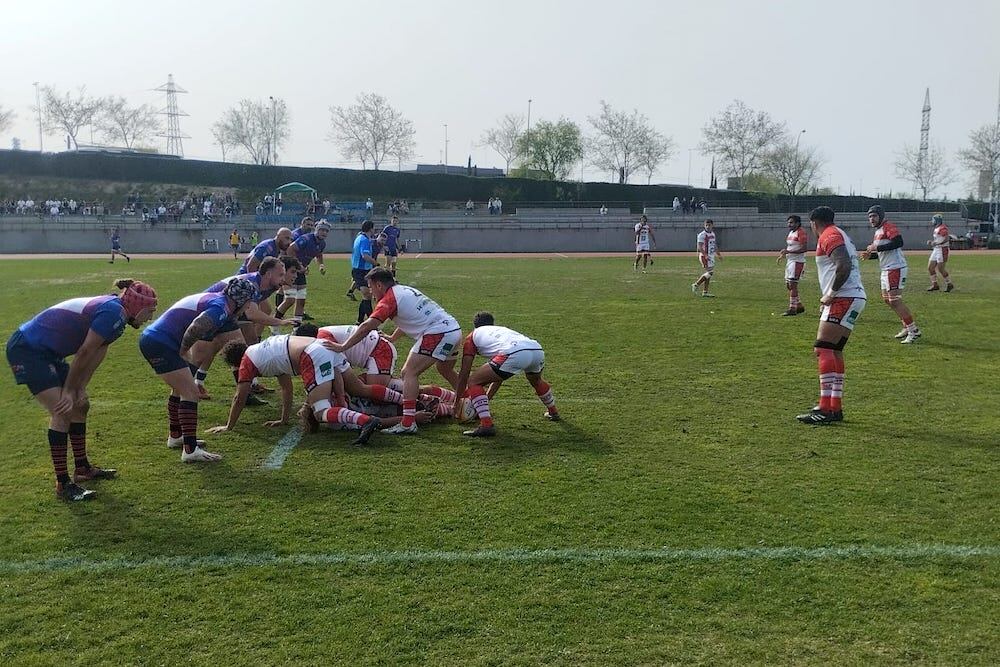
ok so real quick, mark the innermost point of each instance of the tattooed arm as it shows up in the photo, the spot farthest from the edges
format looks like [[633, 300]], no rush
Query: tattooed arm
[[202, 326]]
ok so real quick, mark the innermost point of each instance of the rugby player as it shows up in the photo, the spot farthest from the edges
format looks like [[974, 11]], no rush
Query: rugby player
[[843, 298], [116, 247], [794, 254], [267, 248], [509, 353], [643, 236], [888, 246], [306, 248], [82, 328], [392, 245], [940, 243], [708, 252]]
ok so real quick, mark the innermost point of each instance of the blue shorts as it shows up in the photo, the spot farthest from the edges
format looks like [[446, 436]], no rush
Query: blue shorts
[[358, 275], [162, 357], [300, 279], [38, 369], [391, 252]]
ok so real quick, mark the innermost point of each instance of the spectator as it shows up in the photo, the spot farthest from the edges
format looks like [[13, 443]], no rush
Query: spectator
[[54, 209], [604, 209], [685, 206], [490, 206], [470, 207], [677, 204], [259, 210], [498, 205], [278, 204], [72, 207], [369, 207], [326, 206]]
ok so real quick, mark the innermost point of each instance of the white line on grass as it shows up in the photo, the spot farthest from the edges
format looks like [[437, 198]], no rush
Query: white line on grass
[[277, 457], [907, 552]]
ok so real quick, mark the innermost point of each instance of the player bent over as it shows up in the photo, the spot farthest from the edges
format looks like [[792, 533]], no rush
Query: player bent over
[[166, 345], [843, 298], [83, 328], [321, 369], [888, 245], [940, 244], [708, 252], [794, 254], [509, 353], [436, 333]]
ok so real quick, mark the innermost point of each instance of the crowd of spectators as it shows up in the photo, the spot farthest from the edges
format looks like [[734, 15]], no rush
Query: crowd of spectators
[[686, 205], [197, 208]]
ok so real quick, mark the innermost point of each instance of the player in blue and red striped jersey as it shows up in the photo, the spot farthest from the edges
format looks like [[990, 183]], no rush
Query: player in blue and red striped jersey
[[268, 248], [166, 344], [306, 248], [82, 328], [268, 280]]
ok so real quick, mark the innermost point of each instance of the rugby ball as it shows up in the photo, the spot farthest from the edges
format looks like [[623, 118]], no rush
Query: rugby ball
[[464, 412]]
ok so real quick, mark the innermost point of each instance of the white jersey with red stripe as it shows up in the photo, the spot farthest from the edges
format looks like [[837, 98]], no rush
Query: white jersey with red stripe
[[795, 245], [942, 237], [413, 312], [490, 341], [707, 243], [833, 237], [268, 358], [889, 259], [357, 355]]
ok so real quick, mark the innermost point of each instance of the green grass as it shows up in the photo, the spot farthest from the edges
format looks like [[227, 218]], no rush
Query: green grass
[[679, 433]]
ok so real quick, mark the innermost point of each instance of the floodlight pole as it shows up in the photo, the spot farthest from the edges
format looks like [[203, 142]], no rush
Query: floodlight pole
[[446, 148], [38, 108]]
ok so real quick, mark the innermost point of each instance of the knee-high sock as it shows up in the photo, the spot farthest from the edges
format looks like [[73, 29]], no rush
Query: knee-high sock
[[386, 395], [837, 395], [544, 391], [477, 395], [57, 449], [827, 372], [337, 415], [188, 413], [173, 415], [78, 439]]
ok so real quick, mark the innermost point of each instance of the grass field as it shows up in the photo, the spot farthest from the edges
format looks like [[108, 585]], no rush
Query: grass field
[[679, 514]]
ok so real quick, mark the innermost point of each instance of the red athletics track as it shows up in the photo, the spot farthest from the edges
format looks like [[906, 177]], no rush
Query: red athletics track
[[448, 255]]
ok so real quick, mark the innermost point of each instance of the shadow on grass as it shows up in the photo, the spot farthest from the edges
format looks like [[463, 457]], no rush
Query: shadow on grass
[[518, 440]]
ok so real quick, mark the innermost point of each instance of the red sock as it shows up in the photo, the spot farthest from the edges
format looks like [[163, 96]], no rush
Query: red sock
[[544, 392], [907, 321], [173, 415], [338, 415], [385, 395], [827, 371], [481, 403], [409, 413]]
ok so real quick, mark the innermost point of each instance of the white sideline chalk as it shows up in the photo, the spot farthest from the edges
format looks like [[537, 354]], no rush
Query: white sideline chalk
[[277, 457]]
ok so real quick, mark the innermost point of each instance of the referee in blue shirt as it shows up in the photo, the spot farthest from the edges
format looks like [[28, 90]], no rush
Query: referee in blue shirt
[[362, 261]]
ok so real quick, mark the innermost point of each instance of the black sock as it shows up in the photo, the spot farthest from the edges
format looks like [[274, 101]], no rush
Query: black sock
[[364, 309], [58, 440]]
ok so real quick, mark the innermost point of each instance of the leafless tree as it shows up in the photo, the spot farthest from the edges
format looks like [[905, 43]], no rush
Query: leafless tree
[[740, 137], [260, 128], [68, 113], [653, 150], [504, 138], [222, 139], [117, 121], [619, 137], [983, 154], [927, 175], [795, 168], [6, 118], [371, 130]]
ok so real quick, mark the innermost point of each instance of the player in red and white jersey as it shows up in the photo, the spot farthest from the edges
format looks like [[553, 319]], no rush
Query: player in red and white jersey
[[509, 353], [321, 369], [940, 243], [888, 245], [708, 252], [843, 298], [794, 254], [643, 238], [436, 333], [374, 354]]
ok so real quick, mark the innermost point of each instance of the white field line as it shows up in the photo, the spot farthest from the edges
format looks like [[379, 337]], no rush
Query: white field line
[[277, 457], [910, 552]]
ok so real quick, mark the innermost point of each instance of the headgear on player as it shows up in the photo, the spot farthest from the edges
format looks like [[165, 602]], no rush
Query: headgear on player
[[323, 224], [136, 297], [937, 219], [241, 292], [878, 211]]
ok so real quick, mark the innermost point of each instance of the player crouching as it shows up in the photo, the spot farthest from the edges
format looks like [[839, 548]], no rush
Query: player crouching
[[283, 356], [509, 353]]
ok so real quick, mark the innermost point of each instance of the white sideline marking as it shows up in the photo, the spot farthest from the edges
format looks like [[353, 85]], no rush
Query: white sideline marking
[[662, 555], [277, 457], [559, 254]]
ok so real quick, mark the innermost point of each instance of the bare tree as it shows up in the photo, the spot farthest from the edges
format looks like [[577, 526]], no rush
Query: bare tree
[[619, 137], [69, 112], [6, 118], [983, 154], [552, 148], [926, 175], [371, 130], [653, 150], [118, 121], [740, 137], [504, 137], [222, 139], [258, 127], [796, 169]]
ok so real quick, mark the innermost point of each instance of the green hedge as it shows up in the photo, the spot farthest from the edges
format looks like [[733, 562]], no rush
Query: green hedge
[[351, 184]]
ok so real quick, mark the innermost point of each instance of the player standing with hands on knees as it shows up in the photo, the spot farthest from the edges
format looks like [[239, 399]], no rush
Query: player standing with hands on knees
[[82, 328], [843, 298], [794, 255]]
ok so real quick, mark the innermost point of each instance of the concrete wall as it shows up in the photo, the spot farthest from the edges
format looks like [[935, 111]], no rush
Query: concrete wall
[[29, 235]]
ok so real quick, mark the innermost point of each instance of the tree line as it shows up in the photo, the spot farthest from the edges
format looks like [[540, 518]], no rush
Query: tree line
[[749, 144]]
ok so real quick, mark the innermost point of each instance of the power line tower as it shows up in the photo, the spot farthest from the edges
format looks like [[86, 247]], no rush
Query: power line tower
[[174, 136], [995, 188], [925, 132]]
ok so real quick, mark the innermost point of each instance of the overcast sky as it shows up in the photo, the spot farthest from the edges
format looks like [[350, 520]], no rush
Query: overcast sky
[[850, 73]]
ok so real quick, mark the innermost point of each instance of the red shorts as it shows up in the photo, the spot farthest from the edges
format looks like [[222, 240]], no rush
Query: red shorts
[[843, 311], [440, 346], [382, 360]]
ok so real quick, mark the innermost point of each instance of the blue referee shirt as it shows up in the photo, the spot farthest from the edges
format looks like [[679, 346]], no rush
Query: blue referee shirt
[[362, 247]]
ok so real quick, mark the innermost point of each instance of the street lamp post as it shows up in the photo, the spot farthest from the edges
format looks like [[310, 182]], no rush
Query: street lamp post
[[446, 148], [797, 168], [274, 130], [690, 150], [38, 108]]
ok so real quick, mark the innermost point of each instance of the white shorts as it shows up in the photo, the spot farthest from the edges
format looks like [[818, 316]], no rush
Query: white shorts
[[525, 360], [843, 311], [440, 346], [382, 360], [939, 255], [642, 247], [317, 365], [794, 270], [893, 279]]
